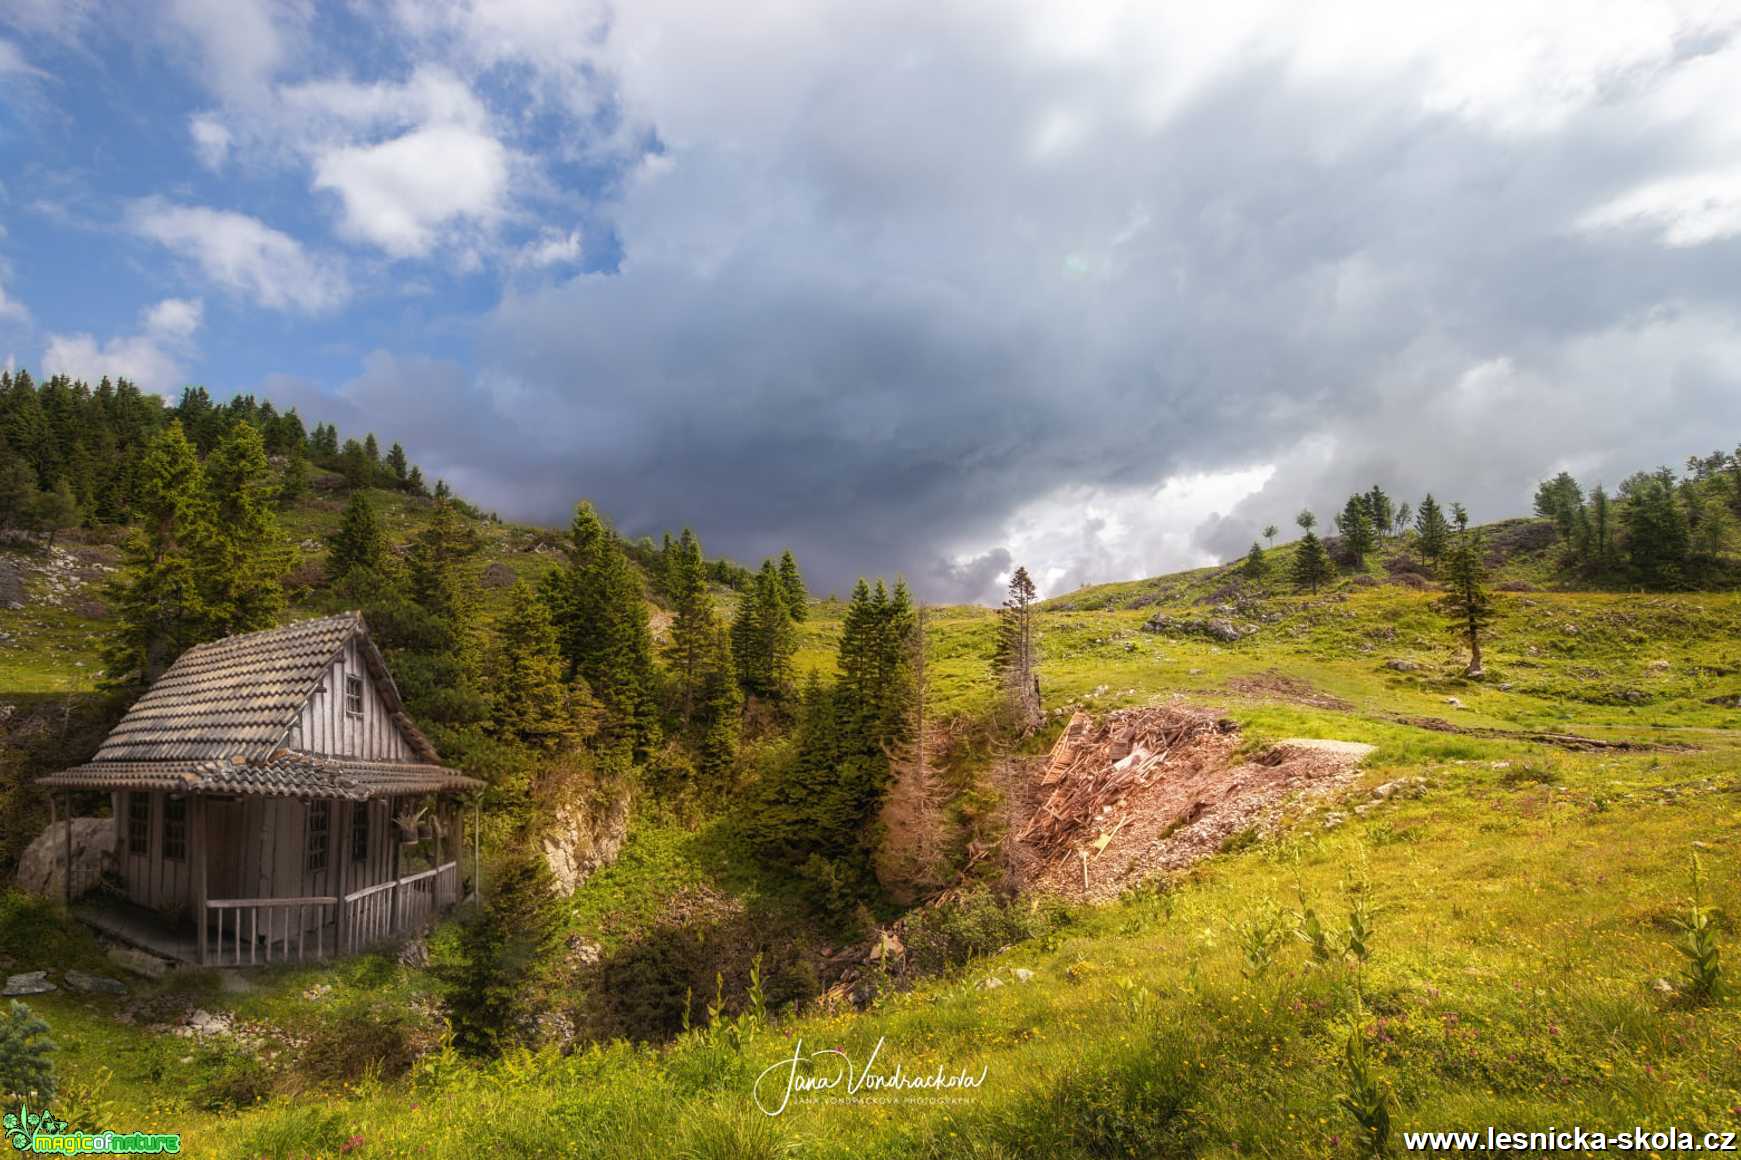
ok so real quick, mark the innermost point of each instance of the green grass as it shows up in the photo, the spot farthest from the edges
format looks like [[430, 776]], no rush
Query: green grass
[[1523, 968]]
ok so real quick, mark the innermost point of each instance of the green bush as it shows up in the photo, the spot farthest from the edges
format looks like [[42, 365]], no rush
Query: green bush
[[946, 936], [25, 1068]]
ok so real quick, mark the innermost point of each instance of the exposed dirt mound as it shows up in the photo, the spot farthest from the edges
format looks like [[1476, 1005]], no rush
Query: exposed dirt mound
[[1139, 792], [1274, 686]]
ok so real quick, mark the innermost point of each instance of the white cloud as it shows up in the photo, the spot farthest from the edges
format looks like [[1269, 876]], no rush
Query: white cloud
[[1079, 534], [12, 62], [238, 46], [211, 140], [551, 248], [402, 194], [243, 255], [1683, 211], [154, 359]]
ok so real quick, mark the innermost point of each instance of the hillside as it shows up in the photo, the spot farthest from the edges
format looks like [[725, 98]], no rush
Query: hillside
[[1519, 896]]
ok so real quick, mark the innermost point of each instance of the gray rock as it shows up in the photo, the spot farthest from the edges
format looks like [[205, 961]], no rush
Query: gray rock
[[990, 983], [1023, 975], [584, 835], [42, 868], [497, 575], [1401, 665], [28, 983], [79, 981]]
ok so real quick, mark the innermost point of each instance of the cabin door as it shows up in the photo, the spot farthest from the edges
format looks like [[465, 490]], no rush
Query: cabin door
[[225, 839]]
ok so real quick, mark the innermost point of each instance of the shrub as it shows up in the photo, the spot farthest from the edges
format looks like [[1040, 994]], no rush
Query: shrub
[[494, 970], [360, 1037], [25, 1068], [948, 935]]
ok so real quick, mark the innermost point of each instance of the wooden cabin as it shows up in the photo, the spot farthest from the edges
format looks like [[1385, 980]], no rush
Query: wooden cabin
[[272, 800]]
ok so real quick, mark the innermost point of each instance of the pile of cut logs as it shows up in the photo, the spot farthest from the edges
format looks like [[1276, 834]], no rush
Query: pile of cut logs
[[1096, 765]]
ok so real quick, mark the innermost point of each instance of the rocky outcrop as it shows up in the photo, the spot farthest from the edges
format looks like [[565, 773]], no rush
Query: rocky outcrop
[[585, 834], [1215, 629], [42, 869]]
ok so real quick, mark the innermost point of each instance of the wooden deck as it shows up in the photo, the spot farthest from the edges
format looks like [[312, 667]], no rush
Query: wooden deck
[[138, 927]]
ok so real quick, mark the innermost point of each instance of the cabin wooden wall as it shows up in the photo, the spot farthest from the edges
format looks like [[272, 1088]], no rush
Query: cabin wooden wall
[[326, 728], [153, 880]]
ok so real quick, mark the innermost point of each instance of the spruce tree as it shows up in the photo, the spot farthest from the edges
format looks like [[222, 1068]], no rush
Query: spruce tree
[[718, 709], [1431, 530], [1359, 537], [414, 481], [397, 466], [1601, 528], [26, 1069], [601, 618], [439, 568], [1379, 510], [244, 556], [792, 584], [1311, 564], [1466, 601], [532, 702], [1560, 499], [764, 637], [1255, 567], [354, 465], [359, 542], [694, 624], [56, 510], [1658, 539], [18, 491], [1015, 653], [159, 607]]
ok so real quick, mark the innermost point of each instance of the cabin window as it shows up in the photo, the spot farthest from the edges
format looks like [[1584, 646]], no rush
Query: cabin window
[[175, 829], [319, 823], [354, 696], [360, 832], [139, 823]]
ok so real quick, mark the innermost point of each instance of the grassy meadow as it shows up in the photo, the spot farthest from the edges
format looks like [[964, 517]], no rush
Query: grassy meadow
[[1499, 922]]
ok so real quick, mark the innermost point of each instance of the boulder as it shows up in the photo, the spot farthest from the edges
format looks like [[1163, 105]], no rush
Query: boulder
[[1401, 665], [497, 575], [29, 983], [42, 868], [93, 984]]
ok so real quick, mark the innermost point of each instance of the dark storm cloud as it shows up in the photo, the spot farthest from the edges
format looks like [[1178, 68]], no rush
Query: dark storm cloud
[[870, 314]]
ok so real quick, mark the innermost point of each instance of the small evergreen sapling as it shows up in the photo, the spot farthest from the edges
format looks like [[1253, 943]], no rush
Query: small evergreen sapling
[[25, 1047]]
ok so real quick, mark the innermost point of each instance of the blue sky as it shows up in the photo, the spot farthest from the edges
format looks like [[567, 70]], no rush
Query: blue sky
[[1102, 288]]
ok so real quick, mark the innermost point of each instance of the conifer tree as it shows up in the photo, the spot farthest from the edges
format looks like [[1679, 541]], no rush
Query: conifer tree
[[601, 618], [1379, 510], [1431, 530], [1560, 499], [694, 624], [718, 709], [763, 636], [244, 556], [1255, 567], [55, 510], [159, 607], [1358, 533], [26, 1066], [1404, 515], [1466, 600], [1311, 564], [1270, 531], [1601, 550], [414, 481], [532, 702], [18, 491], [1658, 540], [1015, 652], [792, 584], [294, 483], [359, 542], [438, 562], [397, 465]]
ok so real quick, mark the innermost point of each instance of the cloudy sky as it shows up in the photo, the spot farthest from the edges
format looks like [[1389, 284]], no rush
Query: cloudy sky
[[928, 288]]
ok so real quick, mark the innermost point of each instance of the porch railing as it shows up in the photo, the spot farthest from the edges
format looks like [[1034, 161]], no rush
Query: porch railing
[[248, 931], [283, 921], [399, 906]]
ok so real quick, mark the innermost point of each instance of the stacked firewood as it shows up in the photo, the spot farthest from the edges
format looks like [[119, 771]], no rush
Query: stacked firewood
[[1096, 765]]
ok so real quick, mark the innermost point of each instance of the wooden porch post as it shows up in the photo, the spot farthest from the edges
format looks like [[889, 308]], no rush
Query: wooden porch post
[[201, 844], [398, 844], [67, 803], [440, 824], [342, 928]]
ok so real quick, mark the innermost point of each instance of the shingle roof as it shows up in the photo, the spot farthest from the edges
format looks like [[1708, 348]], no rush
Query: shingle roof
[[281, 774], [238, 696]]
